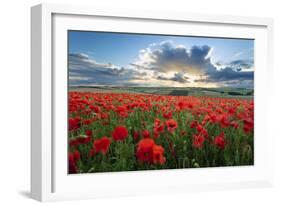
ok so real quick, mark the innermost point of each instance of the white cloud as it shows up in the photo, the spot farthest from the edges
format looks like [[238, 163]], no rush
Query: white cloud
[[163, 64]]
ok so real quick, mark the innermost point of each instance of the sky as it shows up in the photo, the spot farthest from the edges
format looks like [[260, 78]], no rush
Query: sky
[[122, 59]]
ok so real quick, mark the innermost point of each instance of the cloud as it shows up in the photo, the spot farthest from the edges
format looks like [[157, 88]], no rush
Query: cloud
[[229, 73], [167, 57], [165, 64], [80, 60], [242, 64], [178, 77], [84, 70], [195, 63]]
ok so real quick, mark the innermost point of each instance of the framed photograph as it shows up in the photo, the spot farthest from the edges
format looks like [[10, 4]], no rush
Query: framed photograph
[[137, 102]]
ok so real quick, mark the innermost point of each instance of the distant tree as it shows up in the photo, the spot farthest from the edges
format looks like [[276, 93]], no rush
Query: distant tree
[[250, 93], [179, 93], [235, 93]]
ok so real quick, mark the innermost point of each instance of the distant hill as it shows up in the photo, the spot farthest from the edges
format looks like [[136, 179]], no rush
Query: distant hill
[[173, 91]]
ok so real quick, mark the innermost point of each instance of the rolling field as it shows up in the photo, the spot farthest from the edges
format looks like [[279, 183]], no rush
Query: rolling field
[[172, 91], [127, 129]]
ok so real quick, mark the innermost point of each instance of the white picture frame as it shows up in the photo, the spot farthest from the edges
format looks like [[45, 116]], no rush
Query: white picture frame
[[49, 179]]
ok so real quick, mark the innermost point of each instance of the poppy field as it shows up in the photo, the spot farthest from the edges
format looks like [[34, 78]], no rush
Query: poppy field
[[110, 132]]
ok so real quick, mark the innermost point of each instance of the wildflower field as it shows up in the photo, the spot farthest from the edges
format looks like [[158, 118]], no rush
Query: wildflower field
[[127, 132]]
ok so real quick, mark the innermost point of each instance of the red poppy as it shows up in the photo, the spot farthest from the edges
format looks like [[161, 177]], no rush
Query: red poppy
[[103, 115], [96, 109], [102, 145], [155, 135], [136, 135], [219, 141], [248, 125], [84, 140], [231, 110], [213, 117], [199, 128], [73, 142], [223, 120], [198, 141], [122, 111], [72, 169], [181, 105], [193, 124], [172, 125], [74, 123], [89, 133], [158, 155], [167, 115], [120, 133], [144, 150], [202, 131], [234, 124], [87, 121], [76, 155], [145, 134], [91, 152], [158, 126]]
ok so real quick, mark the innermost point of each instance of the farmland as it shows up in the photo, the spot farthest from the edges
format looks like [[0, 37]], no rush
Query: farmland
[[139, 128], [173, 91]]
